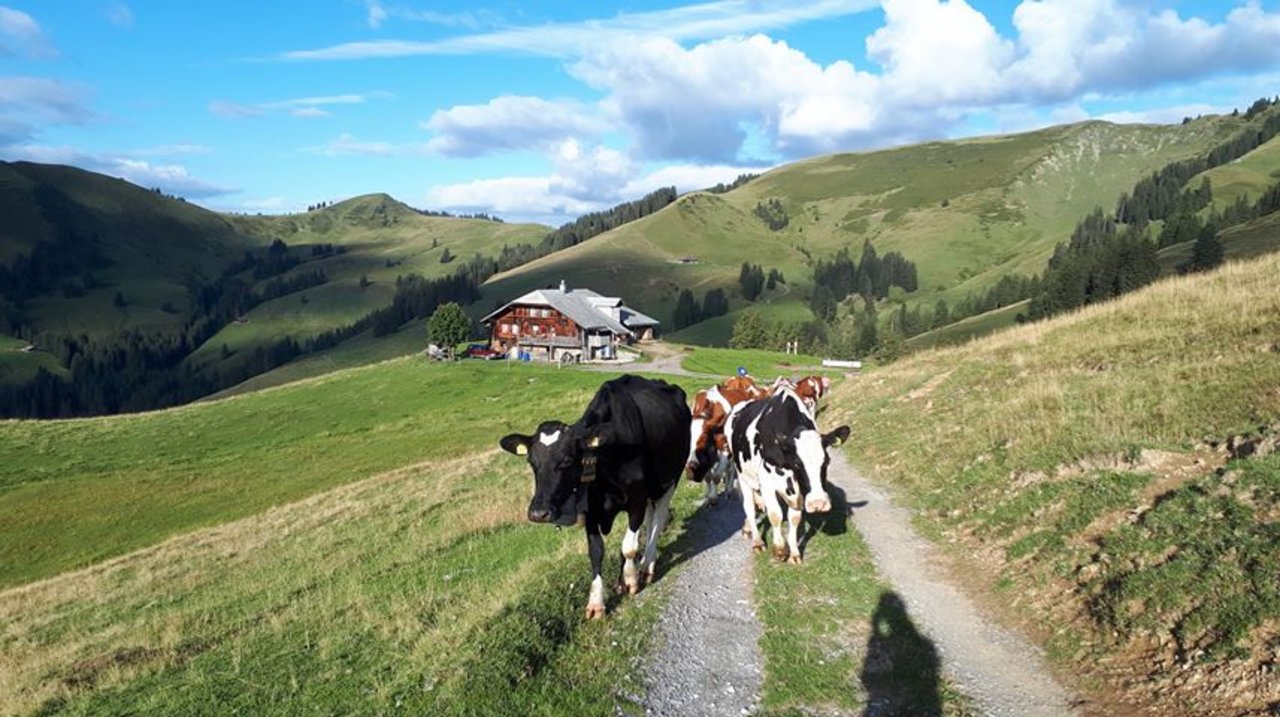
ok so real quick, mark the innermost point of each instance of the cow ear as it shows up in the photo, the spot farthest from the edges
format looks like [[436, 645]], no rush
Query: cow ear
[[836, 437], [516, 443], [595, 436]]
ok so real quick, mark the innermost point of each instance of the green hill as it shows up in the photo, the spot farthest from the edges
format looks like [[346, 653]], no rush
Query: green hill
[[966, 212], [84, 255], [1108, 472]]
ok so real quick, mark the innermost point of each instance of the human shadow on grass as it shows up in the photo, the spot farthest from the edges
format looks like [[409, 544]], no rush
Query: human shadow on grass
[[902, 674]]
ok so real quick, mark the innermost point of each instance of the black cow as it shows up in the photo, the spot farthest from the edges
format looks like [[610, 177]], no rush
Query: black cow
[[625, 454], [782, 465]]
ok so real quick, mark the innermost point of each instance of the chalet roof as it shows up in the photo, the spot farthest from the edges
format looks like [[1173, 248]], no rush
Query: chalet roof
[[585, 308]]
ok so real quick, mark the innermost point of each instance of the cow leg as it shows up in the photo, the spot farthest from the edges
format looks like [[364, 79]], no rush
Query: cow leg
[[749, 526], [727, 475], [630, 549], [659, 514], [709, 488], [794, 518], [595, 550], [774, 509]]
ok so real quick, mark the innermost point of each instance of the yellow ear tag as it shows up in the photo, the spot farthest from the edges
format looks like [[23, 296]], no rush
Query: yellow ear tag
[[594, 442], [522, 449]]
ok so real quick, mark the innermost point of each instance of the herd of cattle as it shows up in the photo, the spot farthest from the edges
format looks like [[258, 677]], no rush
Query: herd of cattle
[[638, 435]]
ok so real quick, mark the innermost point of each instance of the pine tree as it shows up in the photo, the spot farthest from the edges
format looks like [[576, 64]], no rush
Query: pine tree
[[1206, 253], [749, 332], [687, 312]]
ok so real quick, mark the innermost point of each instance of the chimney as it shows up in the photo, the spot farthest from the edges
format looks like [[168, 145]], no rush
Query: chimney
[[563, 288]]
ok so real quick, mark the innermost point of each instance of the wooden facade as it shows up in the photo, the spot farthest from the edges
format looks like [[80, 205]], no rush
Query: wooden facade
[[546, 334]]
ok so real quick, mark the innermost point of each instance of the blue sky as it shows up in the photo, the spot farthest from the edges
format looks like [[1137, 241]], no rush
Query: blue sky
[[545, 111]]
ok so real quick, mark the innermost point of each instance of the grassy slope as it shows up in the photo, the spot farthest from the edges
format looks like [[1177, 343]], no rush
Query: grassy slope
[[156, 243], [421, 591], [1248, 176], [153, 242], [1255, 238], [78, 491], [1026, 450], [1009, 200], [969, 327]]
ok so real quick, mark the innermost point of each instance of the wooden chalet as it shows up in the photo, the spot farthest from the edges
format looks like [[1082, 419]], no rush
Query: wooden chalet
[[566, 324]]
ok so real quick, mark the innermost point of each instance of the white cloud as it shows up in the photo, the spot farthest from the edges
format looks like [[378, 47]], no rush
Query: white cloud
[[30, 103], [376, 14], [171, 178], [585, 179], [508, 123], [527, 197], [690, 22], [171, 150], [21, 35], [938, 51], [120, 15], [297, 106], [345, 144]]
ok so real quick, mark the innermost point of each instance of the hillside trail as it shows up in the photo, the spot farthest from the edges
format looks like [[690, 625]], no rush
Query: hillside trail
[[707, 662], [664, 359], [1003, 673]]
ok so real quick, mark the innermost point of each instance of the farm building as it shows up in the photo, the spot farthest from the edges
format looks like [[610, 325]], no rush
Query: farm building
[[567, 324]]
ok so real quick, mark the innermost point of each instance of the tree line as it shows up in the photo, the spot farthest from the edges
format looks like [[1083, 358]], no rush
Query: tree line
[[870, 278]]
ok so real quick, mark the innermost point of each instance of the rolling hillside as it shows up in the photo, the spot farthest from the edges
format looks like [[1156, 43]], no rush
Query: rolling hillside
[[966, 212], [87, 256]]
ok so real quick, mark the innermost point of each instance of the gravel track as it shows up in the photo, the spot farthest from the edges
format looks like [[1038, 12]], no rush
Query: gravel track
[[1000, 671], [708, 658]]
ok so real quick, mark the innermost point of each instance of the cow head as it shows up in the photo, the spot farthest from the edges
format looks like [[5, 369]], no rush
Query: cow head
[[702, 451], [563, 459]]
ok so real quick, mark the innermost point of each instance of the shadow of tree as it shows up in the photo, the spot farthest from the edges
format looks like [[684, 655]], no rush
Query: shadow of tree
[[901, 675]]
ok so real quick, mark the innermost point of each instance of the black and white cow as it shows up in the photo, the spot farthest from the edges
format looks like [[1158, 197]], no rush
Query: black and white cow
[[625, 454], [781, 461]]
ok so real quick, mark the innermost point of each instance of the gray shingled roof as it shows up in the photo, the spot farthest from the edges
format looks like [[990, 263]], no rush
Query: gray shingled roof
[[585, 308]]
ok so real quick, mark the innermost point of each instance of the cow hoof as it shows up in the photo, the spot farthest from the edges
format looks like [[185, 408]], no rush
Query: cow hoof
[[795, 560], [817, 505], [633, 589], [595, 612], [780, 553], [758, 546]]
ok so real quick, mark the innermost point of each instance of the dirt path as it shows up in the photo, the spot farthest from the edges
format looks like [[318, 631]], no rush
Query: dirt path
[[1000, 671], [708, 660]]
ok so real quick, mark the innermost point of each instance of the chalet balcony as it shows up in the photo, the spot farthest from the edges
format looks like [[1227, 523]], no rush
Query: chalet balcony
[[560, 342]]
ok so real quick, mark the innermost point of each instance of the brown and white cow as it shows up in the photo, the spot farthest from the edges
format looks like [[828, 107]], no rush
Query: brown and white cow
[[708, 459], [810, 389]]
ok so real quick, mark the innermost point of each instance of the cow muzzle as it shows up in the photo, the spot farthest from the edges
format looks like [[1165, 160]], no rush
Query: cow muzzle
[[540, 515]]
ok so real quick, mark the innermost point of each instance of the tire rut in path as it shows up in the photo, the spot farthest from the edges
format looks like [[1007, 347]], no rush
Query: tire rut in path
[[707, 661], [1000, 671]]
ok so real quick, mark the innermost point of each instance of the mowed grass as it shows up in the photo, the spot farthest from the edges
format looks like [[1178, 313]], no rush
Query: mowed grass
[[419, 591], [764, 365], [78, 491], [1076, 456]]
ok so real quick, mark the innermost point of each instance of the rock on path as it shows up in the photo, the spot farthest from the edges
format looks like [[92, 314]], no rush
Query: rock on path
[[707, 661], [1000, 671]]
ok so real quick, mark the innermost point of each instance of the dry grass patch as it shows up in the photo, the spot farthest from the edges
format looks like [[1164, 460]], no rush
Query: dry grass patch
[[1084, 456]]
